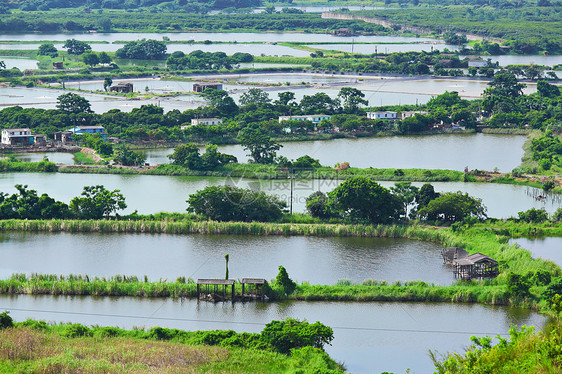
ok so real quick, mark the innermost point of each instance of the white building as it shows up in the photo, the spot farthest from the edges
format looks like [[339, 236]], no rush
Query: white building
[[205, 121], [314, 118], [412, 113], [382, 115], [17, 136], [477, 63]]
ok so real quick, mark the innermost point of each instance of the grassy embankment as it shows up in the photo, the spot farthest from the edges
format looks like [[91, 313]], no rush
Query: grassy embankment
[[37, 347], [257, 171], [480, 238]]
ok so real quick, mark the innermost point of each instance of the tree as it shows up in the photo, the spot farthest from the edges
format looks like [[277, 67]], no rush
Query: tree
[[97, 202], [255, 96], [227, 203], [319, 103], [27, 205], [361, 198], [90, 58], [292, 333], [188, 156], [220, 100], [76, 47], [406, 193], [73, 103], [453, 207], [533, 215], [262, 149], [128, 157], [143, 49], [107, 82], [5, 320], [104, 58], [425, 194], [286, 98], [47, 49], [546, 89], [282, 281], [106, 24], [352, 98], [317, 204]]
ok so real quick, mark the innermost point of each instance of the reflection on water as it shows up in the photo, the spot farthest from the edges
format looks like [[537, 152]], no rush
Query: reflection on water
[[369, 337], [545, 248], [201, 256]]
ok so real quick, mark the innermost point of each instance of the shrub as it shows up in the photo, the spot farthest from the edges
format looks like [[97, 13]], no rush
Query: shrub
[[5, 320], [533, 215], [517, 285], [284, 282], [292, 333], [75, 330]]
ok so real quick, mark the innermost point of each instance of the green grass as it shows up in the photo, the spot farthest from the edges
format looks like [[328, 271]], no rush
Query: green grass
[[37, 347]]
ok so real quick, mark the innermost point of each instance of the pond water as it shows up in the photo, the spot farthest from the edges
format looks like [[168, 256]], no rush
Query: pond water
[[477, 151], [169, 194], [21, 63], [378, 90], [202, 256], [268, 37], [368, 337], [546, 248], [385, 48], [505, 60], [56, 157]]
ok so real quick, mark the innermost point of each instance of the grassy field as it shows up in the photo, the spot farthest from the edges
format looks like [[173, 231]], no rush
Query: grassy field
[[35, 347]]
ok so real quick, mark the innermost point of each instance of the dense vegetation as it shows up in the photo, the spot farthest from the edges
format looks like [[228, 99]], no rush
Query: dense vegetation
[[526, 27], [78, 20], [282, 346]]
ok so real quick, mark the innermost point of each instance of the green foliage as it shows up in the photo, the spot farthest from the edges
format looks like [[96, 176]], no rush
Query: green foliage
[[76, 47], [260, 145], [199, 60], [143, 49], [361, 198], [90, 58], [97, 202], [76, 330], [227, 203], [317, 204], [453, 207], [255, 96], [25, 204], [518, 285], [187, 155], [47, 49], [73, 103], [5, 320], [557, 216], [533, 215], [128, 157], [291, 333], [284, 283]]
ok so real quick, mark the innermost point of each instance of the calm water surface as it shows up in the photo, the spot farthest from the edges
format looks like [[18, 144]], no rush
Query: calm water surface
[[317, 260], [545, 248], [219, 37], [369, 337], [56, 157], [477, 151]]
